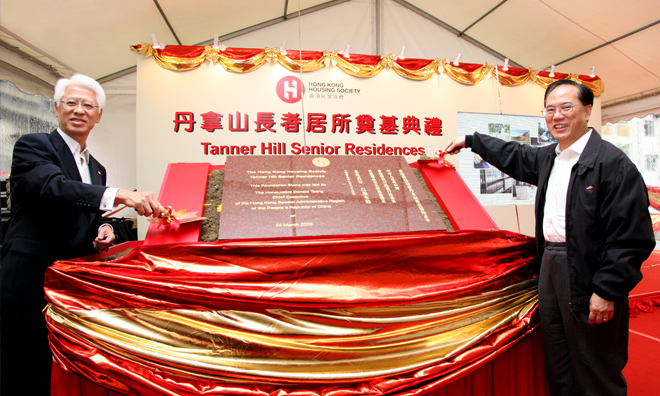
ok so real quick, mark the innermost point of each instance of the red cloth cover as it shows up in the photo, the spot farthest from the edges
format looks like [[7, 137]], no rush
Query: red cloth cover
[[346, 315]]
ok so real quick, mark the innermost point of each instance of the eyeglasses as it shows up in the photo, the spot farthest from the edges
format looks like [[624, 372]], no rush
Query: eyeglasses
[[566, 108], [72, 104]]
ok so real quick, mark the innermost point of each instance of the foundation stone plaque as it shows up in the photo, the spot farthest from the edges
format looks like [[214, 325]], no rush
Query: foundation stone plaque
[[283, 196]]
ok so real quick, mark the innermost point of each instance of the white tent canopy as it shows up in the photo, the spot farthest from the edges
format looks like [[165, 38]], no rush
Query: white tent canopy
[[42, 41]]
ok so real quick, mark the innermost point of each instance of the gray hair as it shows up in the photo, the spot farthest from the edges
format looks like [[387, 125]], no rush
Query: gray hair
[[79, 80]]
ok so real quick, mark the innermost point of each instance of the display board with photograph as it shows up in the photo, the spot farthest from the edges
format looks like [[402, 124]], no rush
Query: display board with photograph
[[490, 185]]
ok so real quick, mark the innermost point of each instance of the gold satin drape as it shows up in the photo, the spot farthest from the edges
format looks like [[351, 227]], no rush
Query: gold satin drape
[[233, 59], [357, 315]]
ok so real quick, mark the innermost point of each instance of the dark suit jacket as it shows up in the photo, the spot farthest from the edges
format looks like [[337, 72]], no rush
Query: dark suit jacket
[[54, 215]]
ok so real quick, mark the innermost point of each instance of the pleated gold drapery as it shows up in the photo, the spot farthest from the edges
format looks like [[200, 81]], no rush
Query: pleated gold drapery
[[245, 60], [359, 315]]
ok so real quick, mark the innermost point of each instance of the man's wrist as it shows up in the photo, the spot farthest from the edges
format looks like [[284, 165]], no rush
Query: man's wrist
[[108, 199], [106, 225]]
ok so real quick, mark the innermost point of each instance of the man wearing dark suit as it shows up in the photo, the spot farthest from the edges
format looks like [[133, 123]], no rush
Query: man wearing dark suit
[[58, 195]]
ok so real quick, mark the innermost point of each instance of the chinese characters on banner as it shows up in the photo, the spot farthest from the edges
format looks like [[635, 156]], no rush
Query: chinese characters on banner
[[316, 123]]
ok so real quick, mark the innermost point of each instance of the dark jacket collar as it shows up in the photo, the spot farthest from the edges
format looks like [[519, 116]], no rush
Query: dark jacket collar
[[588, 158], [64, 153]]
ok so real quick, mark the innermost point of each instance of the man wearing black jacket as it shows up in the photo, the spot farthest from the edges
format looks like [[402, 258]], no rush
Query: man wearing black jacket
[[58, 195], [593, 231]]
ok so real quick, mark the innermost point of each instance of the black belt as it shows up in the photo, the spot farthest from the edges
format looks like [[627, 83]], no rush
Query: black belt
[[555, 245]]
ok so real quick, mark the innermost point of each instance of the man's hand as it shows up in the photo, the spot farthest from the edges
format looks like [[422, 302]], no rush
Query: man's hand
[[600, 310], [455, 145], [144, 203], [105, 239]]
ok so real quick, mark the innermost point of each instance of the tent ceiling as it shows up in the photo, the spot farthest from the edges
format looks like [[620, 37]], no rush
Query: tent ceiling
[[622, 40]]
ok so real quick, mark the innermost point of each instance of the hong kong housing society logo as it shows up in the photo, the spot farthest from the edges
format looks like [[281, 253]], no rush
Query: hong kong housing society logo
[[290, 89]]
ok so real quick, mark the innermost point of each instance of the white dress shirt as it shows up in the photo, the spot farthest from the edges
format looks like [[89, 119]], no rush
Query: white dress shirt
[[82, 161], [554, 212]]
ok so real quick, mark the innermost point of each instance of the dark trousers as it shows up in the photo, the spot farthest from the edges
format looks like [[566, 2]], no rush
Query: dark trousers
[[24, 350], [581, 359]]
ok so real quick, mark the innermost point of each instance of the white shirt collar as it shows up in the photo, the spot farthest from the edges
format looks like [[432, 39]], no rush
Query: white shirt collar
[[578, 146], [74, 146]]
